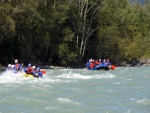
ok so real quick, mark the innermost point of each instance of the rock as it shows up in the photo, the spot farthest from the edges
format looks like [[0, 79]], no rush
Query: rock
[[2, 68], [57, 67], [135, 62], [145, 62], [51, 67]]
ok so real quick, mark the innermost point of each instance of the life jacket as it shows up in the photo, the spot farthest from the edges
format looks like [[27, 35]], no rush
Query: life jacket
[[92, 65], [108, 63], [98, 62], [17, 66], [40, 74], [88, 65], [29, 70]]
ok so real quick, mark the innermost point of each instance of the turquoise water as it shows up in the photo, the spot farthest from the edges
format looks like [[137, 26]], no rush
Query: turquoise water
[[124, 90]]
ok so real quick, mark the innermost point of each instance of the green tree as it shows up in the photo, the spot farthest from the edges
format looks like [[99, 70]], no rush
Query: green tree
[[7, 24], [119, 29], [82, 21], [67, 48]]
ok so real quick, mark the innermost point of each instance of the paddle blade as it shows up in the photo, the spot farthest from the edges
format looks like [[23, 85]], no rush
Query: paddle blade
[[113, 67], [43, 71]]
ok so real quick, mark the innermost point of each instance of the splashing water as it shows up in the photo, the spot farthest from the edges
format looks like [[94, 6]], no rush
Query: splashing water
[[123, 90]]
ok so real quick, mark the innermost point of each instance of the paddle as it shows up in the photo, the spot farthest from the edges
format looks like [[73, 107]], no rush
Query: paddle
[[113, 67], [21, 67], [43, 71]]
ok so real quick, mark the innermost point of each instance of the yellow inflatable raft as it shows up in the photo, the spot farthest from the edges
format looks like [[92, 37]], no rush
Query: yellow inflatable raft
[[28, 75]]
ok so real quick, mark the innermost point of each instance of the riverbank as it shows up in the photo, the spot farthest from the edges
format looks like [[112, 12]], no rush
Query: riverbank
[[132, 63], [135, 63]]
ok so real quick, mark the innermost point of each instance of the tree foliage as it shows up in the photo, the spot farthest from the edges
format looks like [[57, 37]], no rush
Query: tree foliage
[[67, 32]]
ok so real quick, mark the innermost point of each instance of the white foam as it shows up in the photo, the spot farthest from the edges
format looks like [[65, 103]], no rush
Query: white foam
[[144, 101], [69, 75], [66, 100], [80, 76], [10, 77], [117, 83], [52, 108]]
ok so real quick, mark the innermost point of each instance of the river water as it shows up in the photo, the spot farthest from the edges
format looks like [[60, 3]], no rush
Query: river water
[[123, 90]]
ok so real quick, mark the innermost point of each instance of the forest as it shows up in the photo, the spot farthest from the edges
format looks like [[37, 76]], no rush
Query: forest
[[70, 32]]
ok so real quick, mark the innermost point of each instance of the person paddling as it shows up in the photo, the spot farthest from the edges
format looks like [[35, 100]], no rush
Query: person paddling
[[30, 70], [17, 66], [38, 72], [8, 68]]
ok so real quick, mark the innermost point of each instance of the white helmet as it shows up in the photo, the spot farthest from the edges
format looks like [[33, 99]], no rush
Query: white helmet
[[33, 67], [9, 65], [16, 61], [12, 66]]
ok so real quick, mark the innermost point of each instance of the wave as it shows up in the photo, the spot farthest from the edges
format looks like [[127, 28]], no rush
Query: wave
[[80, 76], [66, 100], [144, 101], [9, 77], [54, 76]]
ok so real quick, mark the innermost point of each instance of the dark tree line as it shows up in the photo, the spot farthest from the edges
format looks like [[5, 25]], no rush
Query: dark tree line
[[69, 32]]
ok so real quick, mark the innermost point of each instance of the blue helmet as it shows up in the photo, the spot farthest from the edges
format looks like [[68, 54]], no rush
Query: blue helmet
[[38, 68], [29, 64]]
